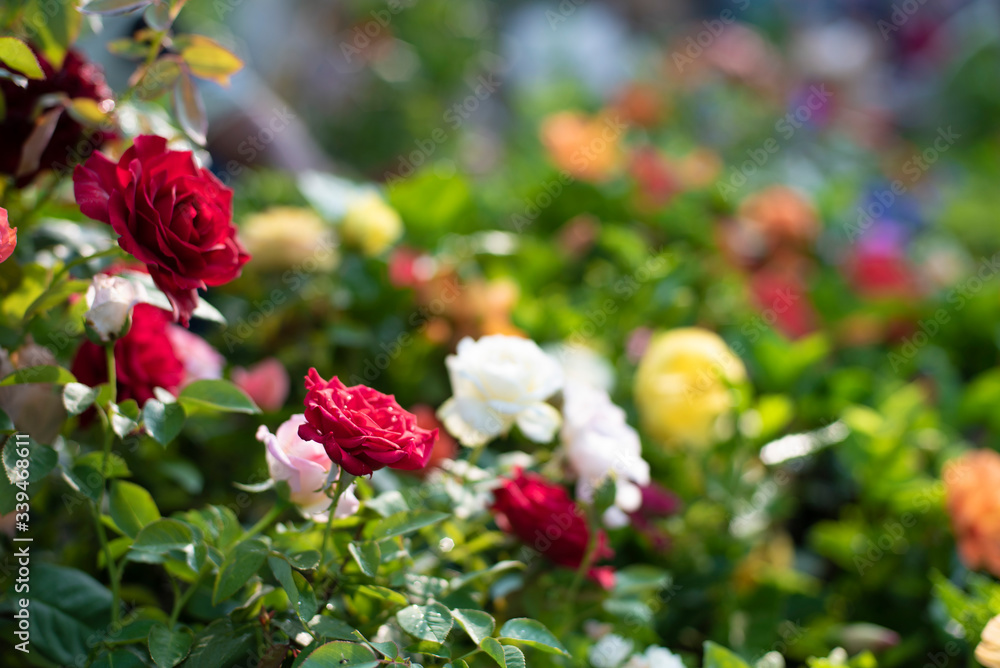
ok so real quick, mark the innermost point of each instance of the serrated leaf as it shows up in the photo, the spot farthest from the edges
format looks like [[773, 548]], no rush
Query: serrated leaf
[[430, 622], [300, 593], [190, 109], [39, 374], [78, 397], [514, 657], [494, 650], [220, 395], [403, 523], [132, 507], [168, 648], [16, 55], [160, 539], [532, 633], [367, 555], [476, 623], [717, 656], [240, 565], [340, 654], [162, 421], [208, 60], [113, 7]]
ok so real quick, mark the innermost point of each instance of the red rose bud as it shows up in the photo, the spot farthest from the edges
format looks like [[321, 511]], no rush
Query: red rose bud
[[70, 142], [543, 516], [170, 214], [144, 358], [362, 429]]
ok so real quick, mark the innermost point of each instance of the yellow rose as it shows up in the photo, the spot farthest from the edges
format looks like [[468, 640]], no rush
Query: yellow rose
[[285, 236], [683, 385], [371, 225]]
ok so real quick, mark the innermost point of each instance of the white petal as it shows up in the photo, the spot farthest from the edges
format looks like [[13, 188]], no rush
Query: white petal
[[539, 422]]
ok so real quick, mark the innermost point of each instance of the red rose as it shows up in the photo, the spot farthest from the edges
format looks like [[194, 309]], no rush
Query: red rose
[[170, 214], [362, 429], [543, 516], [144, 358], [70, 141]]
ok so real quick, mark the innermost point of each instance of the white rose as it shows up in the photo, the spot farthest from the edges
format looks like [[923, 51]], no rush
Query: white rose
[[304, 465], [610, 651], [582, 364], [497, 382], [655, 657], [110, 300], [599, 442]]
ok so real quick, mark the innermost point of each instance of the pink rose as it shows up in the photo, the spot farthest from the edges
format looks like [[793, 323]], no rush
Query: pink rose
[[266, 382], [201, 361], [305, 467]]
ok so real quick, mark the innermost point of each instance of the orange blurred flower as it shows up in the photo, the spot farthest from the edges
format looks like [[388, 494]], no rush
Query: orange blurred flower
[[588, 148], [972, 485]]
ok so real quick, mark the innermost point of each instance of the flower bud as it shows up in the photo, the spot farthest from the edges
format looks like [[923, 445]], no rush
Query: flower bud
[[110, 300]]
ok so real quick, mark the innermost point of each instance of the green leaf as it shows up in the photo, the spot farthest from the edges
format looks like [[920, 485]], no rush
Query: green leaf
[[367, 555], [39, 374], [59, 30], [222, 644], [162, 421], [514, 657], [162, 539], [339, 654], [427, 622], [220, 395], [305, 560], [78, 397], [299, 591], [113, 7], [717, 656], [476, 623], [132, 507], [70, 612], [124, 418], [6, 424], [403, 523], [41, 460], [16, 55], [330, 627], [168, 648], [532, 633], [382, 594], [240, 565], [494, 650]]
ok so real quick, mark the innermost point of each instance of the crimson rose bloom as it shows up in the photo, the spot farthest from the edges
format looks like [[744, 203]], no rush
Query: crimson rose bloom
[[543, 516], [70, 141], [170, 214], [144, 358], [362, 429]]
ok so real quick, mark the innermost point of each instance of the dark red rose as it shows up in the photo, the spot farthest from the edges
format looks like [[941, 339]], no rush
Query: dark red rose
[[543, 516], [362, 429], [70, 141], [170, 214], [144, 358]]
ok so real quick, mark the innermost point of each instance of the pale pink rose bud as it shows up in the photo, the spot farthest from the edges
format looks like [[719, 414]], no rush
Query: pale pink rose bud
[[110, 300], [305, 466], [201, 361], [266, 382]]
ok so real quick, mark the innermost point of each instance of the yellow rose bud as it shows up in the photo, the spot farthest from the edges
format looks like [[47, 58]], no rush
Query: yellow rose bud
[[285, 236], [371, 225], [988, 649], [684, 384]]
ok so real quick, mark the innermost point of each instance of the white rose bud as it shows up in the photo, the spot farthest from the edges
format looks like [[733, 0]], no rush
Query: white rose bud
[[988, 650], [110, 300]]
